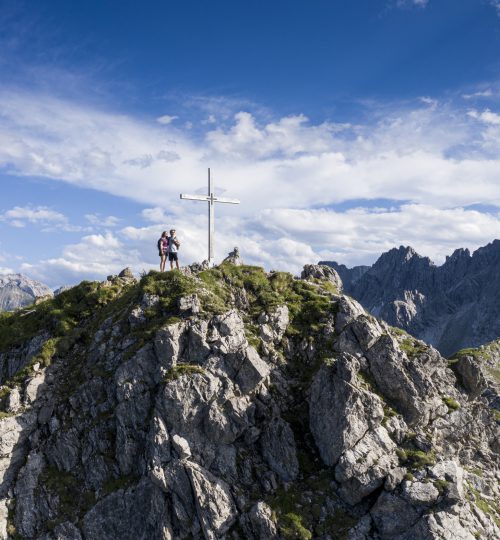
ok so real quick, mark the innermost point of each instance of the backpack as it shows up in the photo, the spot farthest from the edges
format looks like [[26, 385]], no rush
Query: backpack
[[159, 244]]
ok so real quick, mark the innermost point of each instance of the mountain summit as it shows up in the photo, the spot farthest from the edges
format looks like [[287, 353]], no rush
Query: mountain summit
[[452, 306], [17, 291], [232, 403]]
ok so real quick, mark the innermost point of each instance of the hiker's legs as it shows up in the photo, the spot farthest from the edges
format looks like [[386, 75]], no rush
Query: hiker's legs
[[163, 260], [173, 257], [177, 263]]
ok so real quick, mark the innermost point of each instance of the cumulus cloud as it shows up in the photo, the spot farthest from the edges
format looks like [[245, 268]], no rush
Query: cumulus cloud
[[424, 154], [94, 257], [46, 218], [431, 159], [284, 239], [487, 116]]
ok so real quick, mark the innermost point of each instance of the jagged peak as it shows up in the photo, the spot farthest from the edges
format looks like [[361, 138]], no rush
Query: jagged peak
[[457, 255]]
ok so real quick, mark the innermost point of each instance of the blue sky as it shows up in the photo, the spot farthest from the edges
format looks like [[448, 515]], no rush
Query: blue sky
[[345, 127]]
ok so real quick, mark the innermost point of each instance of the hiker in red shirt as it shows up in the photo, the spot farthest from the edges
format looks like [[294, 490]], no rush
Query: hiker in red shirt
[[163, 250]]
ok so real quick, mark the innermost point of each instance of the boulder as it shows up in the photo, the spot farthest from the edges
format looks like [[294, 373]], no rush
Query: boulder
[[341, 411], [364, 467], [316, 271], [214, 504], [279, 450]]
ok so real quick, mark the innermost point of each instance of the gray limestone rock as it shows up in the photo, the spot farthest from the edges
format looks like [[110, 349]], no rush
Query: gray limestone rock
[[181, 446], [316, 271], [27, 513], [341, 411], [394, 478], [251, 371], [279, 450], [214, 503], [126, 273], [420, 493], [347, 310], [257, 523], [189, 304], [471, 374], [168, 344], [392, 515], [177, 430], [14, 401], [234, 257], [364, 467], [139, 513]]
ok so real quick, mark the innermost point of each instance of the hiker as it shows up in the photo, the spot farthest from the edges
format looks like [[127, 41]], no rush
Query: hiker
[[163, 250], [173, 248]]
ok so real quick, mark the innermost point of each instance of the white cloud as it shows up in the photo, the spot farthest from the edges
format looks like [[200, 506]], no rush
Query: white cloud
[[100, 221], [284, 239], [166, 119], [5, 270], [42, 216], [426, 155], [94, 257], [480, 94], [487, 116], [288, 172]]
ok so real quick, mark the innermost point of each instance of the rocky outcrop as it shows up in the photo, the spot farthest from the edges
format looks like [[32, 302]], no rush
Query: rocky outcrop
[[452, 306], [17, 291], [171, 409]]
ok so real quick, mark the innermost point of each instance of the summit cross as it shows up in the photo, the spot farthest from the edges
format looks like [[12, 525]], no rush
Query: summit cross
[[211, 200]]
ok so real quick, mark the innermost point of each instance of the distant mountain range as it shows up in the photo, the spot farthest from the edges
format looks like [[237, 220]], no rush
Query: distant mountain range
[[452, 306], [18, 291]]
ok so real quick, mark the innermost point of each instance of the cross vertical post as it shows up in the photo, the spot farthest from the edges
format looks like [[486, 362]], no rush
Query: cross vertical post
[[211, 199], [211, 220]]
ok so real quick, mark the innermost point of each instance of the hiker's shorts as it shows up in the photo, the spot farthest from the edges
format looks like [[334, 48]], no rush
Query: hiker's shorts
[[172, 257]]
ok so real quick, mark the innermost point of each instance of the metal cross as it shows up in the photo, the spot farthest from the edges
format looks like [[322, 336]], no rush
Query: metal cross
[[210, 199]]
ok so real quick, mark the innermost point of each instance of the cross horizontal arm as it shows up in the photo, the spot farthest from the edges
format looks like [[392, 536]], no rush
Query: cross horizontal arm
[[228, 201], [195, 197]]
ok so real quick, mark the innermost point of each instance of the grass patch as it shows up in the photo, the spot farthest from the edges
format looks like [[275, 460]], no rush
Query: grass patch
[[182, 369], [416, 459], [451, 403], [291, 527], [491, 508], [412, 347], [441, 485], [58, 316], [308, 304]]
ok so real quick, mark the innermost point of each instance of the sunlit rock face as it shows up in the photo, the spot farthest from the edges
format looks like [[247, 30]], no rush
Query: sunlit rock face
[[231, 403]]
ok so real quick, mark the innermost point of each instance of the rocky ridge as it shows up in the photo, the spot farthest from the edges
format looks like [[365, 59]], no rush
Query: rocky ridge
[[231, 403], [452, 306], [18, 291]]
